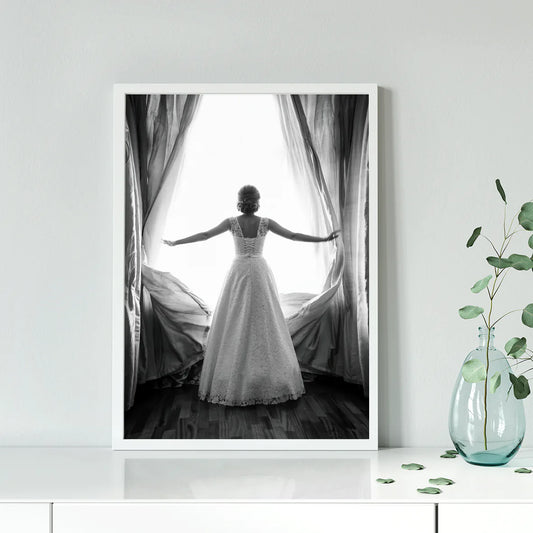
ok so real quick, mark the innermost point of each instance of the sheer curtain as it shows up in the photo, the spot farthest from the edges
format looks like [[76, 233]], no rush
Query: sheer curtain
[[327, 139], [165, 324]]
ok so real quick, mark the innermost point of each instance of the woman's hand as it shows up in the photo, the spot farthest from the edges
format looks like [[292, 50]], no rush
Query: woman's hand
[[333, 235], [169, 243]]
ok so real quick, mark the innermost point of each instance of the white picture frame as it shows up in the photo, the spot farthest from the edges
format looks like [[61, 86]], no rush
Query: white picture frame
[[118, 440]]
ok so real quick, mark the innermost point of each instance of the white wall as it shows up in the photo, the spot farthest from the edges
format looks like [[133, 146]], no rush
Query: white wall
[[456, 112]]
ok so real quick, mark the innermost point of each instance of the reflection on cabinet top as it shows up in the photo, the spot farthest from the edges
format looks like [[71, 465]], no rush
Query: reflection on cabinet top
[[100, 475]]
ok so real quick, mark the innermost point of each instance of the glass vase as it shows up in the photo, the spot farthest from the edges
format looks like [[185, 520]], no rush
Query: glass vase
[[486, 426]]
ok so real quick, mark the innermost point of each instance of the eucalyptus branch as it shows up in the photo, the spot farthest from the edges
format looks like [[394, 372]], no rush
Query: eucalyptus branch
[[507, 245], [521, 221], [501, 281], [491, 243], [504, 218], [501, 248], [487, 367], [503, 316], [513, 219], [517, 213], [516, 361], [515, 232], [519, 361]]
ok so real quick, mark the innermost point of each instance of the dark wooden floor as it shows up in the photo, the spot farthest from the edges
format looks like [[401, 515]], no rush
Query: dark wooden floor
[[328, 410]]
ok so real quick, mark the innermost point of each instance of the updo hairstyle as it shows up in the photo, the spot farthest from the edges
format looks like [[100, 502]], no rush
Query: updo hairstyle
[[248, 199]]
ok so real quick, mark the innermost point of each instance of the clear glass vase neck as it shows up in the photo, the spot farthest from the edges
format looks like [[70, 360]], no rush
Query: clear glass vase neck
[[484, 337]]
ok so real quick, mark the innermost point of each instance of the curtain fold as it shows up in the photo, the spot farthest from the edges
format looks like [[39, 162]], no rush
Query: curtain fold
[[327, 139], [132, 271], [174, 329], [156, 128]]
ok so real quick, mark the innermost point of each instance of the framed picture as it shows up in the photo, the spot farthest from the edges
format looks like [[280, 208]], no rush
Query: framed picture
[[245, 267]]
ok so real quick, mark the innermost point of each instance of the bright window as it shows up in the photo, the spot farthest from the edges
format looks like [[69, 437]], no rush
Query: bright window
[[236, 140]]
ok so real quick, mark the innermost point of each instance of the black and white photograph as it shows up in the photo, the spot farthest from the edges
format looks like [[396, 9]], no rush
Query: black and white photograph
[[247, 268]]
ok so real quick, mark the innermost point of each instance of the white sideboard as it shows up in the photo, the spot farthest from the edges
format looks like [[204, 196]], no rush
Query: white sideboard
[[485, 517], [25, 517], [95, 490], [230, 517]]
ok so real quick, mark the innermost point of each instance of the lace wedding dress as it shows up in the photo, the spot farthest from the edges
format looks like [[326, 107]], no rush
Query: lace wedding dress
[[250, 358]]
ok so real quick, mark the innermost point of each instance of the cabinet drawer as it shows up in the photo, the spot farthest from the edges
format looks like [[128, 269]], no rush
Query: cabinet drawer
[[243, 518], [485, 517], [25, 517]]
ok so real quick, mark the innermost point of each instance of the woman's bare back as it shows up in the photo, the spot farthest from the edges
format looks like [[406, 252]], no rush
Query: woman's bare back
[[249, 225]]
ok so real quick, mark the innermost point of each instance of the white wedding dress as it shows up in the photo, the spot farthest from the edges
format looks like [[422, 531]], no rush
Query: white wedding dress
[[249, 358]]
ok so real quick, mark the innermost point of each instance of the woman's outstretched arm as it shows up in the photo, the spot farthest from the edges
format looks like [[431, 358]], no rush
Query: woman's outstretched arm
[[202, 236], [283, 232]]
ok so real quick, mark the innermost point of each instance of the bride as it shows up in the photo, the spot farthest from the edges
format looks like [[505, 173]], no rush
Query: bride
[[249, 357]]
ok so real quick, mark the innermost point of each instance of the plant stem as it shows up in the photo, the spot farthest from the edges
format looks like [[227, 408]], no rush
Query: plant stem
[[503, 316], [485, 392], [517, 361], [487, 367], [508, 232], [527, 359], [501, 281], [491, 243]]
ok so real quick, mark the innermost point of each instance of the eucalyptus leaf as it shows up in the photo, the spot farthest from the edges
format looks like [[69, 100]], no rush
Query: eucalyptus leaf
[[523, 471], [520, 262], [499, 262], [516, 347], [453, 452], [475, 234], [500, 190], [449, 455], [429, 490], [520, 386], [525, 390], [470, 311], [481, 284], [495, 382], [525, 217], [527, 316], [413, 466], [474, 371], [385, 481], [441, 481], [530, 241]]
